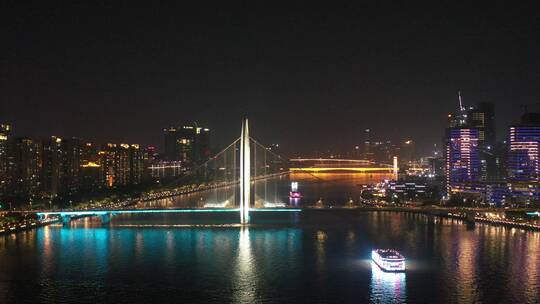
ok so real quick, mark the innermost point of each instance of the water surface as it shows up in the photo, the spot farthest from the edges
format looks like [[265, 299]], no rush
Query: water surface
[[316, 256]]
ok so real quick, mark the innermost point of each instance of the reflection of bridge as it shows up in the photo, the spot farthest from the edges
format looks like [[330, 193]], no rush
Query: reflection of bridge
[[236, 176], [337, 165]]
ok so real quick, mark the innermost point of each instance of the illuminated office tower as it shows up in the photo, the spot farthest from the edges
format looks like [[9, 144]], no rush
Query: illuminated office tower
[[523, 159], [462, 158]]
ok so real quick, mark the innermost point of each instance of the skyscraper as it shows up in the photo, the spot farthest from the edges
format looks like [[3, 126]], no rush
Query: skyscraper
[[482, 118], [472, 156], [368, 154], [462, 158], [524, 159]]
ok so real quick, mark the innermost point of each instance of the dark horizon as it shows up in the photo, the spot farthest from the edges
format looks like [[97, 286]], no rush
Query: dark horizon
[[309, 78]]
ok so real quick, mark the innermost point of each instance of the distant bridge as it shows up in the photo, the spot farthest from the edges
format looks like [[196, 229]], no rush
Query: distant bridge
[[339, 165]]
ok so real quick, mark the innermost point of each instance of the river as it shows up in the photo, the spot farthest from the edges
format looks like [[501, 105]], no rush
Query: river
[[315, 256]]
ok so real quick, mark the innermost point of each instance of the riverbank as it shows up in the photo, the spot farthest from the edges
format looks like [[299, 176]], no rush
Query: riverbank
[[488, 216], [495, 217]]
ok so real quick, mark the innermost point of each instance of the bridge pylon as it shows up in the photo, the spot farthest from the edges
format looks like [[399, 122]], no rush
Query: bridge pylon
[[245, 172]]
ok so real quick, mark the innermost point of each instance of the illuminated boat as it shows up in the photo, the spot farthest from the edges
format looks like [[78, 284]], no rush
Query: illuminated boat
[[294, 191], [388, 259], [294, 194]]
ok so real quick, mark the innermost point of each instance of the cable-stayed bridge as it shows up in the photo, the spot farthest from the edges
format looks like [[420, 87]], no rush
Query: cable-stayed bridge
[[237, 179]]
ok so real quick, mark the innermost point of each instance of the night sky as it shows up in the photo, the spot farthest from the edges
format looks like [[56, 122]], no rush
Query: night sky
[[310, 77]]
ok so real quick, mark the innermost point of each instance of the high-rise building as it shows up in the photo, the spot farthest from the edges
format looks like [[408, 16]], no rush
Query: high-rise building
[[170, 148], [368, 154], [462, 158], [71, 165], [436, 166], [121, 164], [188, 144], [107, 156], [472, 155], [90, 168], [407, 151], [24, 168], [5, 133], [51, 173], [524, 159], [149, 158], [90, 178], [136, 164], [89, 153], [482, 118]]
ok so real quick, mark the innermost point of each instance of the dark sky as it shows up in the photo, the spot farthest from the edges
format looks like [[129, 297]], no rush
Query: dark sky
[[308, 76]]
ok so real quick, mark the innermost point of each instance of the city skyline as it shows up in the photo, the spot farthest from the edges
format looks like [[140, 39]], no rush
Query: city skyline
[[306, 70], [266, 152]]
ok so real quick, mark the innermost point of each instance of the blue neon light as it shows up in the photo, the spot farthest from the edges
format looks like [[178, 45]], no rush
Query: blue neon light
[[105, 212]]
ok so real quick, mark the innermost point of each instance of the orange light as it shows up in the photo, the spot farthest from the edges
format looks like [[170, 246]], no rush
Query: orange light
[[322, 169]]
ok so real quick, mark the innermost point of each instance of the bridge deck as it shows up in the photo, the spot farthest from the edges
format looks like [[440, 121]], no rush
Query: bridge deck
[[138, 211]]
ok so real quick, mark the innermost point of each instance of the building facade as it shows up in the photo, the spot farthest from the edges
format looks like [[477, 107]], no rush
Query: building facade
[[121, 164], [462, 158], [5, 133], [51, 173], [188, 144], [24, 167], [523, 163]]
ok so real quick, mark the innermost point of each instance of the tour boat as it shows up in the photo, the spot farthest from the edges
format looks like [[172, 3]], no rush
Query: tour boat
[[388, 259], [294, 193]]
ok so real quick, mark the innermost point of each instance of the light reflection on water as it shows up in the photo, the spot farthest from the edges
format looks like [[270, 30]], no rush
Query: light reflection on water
[[312, 256], [387, 287], [319, 257], [245, 282], [332, 188]]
